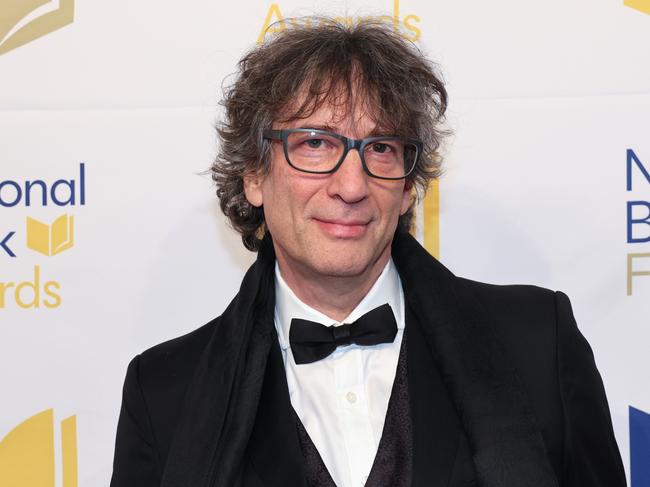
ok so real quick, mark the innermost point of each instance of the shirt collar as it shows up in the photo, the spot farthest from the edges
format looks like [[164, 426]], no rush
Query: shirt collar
[[386, 289]]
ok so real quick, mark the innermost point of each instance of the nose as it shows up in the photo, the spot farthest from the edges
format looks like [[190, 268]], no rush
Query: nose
[[349, 182]]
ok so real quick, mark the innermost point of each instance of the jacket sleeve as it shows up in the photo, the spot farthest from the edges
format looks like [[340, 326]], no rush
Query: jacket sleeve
[[136, 462], [591, 456]]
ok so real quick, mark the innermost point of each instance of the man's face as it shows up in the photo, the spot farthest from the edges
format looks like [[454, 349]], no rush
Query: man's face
[[329, 225]]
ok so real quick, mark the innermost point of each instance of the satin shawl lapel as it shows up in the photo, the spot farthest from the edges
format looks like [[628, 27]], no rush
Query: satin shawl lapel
[[507, 448], [274, 448], [437, 432], [222, 398]]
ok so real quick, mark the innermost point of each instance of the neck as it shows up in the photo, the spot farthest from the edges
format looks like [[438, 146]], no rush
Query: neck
[[334, 296]]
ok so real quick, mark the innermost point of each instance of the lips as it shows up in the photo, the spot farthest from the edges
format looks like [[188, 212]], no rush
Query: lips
[[343, 228]]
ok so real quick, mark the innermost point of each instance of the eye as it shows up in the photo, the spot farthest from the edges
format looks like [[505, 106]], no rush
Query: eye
[[314, 143], [381, 148]]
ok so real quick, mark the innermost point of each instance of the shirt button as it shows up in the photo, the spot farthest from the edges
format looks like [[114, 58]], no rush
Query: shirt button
[[351, 397]]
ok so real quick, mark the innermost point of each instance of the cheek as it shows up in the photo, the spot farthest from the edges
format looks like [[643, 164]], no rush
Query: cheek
[[299, 193], [283, 202], [272, 204], [407, 197]]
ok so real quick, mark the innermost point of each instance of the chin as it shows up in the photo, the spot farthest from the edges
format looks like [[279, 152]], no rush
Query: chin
[[348, 266]]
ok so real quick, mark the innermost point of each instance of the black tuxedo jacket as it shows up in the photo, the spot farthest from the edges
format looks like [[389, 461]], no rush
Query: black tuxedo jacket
[[504, 392]]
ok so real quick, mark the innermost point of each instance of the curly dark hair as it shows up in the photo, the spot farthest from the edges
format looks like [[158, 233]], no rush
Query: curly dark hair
[[325, 59]]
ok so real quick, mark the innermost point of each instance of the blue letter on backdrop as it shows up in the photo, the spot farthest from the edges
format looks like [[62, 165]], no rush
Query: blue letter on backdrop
[[631, 156], [639, 448], [633, 221]]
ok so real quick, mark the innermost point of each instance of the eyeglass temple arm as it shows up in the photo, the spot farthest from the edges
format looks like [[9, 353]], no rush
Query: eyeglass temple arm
[[272, 134]]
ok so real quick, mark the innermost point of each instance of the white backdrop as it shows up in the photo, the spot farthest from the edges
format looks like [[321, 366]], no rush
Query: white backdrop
[[546, 99]]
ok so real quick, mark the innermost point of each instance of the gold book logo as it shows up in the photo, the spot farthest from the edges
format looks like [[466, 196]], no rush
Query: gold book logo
[[22, 21], [50, 239], [640, 5], [27, 453]]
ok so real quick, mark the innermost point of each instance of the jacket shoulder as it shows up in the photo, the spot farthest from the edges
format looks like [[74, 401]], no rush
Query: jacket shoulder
[[513, 301], [176, 358], [524, 319], [162, 374]]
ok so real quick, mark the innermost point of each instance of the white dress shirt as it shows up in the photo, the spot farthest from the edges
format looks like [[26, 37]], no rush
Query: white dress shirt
[[342, 399]]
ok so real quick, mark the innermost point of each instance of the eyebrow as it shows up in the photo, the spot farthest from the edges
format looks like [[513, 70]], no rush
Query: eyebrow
[[375, 132], [325, 127]]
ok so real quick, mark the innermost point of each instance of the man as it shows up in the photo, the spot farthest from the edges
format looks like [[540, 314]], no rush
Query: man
[[350, 356]]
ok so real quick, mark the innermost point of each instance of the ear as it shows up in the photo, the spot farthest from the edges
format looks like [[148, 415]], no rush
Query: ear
[[407, 197], [253, 189]]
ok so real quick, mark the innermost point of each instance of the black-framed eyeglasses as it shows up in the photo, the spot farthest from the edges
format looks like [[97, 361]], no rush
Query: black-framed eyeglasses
[[320, 152]]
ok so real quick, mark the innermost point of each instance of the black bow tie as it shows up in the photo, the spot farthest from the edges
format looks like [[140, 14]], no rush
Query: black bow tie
[[311, 341]]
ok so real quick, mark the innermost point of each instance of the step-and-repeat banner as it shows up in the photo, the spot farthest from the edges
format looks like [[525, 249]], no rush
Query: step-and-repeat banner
[[110, 236]]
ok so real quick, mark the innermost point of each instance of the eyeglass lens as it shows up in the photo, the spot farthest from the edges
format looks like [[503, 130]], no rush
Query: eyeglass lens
[[317, 152]]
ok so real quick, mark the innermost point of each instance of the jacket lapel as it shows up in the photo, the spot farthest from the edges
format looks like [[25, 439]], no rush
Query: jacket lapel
[[222, 398], [274, 449], [507, 448], [439, 442]]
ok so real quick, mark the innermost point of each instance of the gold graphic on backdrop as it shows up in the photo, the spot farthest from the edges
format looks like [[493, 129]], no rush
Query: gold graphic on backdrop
[[27, 453], [632, 272], [641, 5], [50, 239], [432, 219], [17, 29], [406, 25]]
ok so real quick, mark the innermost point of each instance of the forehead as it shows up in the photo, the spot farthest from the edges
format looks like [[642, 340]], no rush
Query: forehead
[[345, 107]]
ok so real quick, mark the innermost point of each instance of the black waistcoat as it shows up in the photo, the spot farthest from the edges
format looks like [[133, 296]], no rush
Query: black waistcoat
[[393, 462], [430, 451]]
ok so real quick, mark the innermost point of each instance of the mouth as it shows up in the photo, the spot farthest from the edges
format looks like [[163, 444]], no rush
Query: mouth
[[343, 228]]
